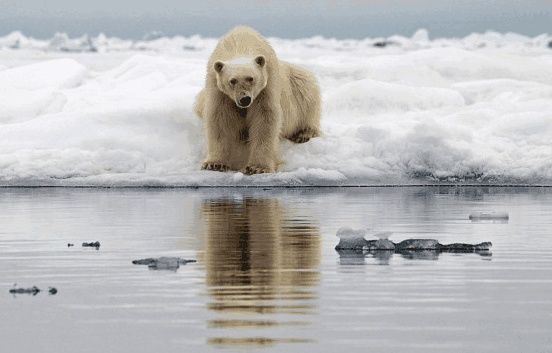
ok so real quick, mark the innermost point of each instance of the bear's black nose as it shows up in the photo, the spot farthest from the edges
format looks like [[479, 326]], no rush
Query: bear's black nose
[[245, 101]]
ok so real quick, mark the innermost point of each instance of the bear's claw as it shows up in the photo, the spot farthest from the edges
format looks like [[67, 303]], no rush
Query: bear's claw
[[252, 169], [218, 167], [303, 135]]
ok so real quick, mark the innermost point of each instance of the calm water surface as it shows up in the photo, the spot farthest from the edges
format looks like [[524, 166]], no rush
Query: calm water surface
[[268, 277]]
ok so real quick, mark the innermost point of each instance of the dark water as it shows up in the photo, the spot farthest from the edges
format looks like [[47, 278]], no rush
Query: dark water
[[267, 276]]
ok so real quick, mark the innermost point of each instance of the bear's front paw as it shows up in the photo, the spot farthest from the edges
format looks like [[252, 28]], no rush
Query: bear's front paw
[[216, 166], [256, 169]]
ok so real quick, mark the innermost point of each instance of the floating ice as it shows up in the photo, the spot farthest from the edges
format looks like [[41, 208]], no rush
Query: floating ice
[[489, 215], [353, 239], [163, 263], [119, 112], [34, 290], [418, 244], [380, 244], [95, 244]]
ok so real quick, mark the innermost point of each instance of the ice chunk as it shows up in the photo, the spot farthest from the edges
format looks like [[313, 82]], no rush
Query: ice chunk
[[418, 244], [490, 215], [461, 247], [421, 35], [62, 42], [351, 239], [163, 263], [380, 244], [95, 244], [34, 290]]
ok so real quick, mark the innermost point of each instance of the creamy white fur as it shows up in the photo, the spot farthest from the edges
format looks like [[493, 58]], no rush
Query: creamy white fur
[[286, 102]]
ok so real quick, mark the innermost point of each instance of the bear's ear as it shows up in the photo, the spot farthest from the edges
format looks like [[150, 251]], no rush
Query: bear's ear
[[218, 66], [260, 60]]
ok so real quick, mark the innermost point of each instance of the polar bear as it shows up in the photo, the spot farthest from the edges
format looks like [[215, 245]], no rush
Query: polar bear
[[251, 99]]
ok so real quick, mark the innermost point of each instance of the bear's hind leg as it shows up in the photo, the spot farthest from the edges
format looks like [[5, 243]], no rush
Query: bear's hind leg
[[305, 96]]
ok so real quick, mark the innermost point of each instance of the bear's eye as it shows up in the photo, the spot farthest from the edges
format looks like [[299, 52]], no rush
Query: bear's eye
[[233, 81], [249, 79]]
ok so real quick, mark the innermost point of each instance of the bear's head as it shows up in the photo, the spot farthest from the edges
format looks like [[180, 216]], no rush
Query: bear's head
[[242, 79]]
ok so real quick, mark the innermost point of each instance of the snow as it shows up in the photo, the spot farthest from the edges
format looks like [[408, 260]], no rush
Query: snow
[[101, 111]]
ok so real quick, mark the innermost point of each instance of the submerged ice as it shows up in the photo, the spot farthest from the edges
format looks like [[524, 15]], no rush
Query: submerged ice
[[105, 111]]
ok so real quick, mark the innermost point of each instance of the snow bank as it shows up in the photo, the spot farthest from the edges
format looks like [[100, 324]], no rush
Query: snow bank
[[112, 112]]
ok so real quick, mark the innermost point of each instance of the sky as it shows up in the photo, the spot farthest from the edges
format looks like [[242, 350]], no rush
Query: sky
[[280, 18]]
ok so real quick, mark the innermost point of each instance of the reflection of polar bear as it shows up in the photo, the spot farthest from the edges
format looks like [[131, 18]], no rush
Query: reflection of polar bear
[[250, 99], [255, 251]]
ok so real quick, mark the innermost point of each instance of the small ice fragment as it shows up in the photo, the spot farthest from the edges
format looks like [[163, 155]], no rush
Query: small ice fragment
[[147, 261], [350, 239], [163, 263], [462, 247], [489, 215], [34, 290], [95, 244]]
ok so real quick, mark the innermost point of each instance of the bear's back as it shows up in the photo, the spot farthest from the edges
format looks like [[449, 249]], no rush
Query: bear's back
[[242, 41]]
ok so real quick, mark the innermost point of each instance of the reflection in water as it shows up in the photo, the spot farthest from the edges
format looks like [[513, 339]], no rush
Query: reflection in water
[[458, 303], [491, 221], [383, 257], [262, 269]]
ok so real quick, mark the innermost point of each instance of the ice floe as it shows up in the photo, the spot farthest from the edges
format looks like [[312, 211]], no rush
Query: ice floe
[[103, 111]]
